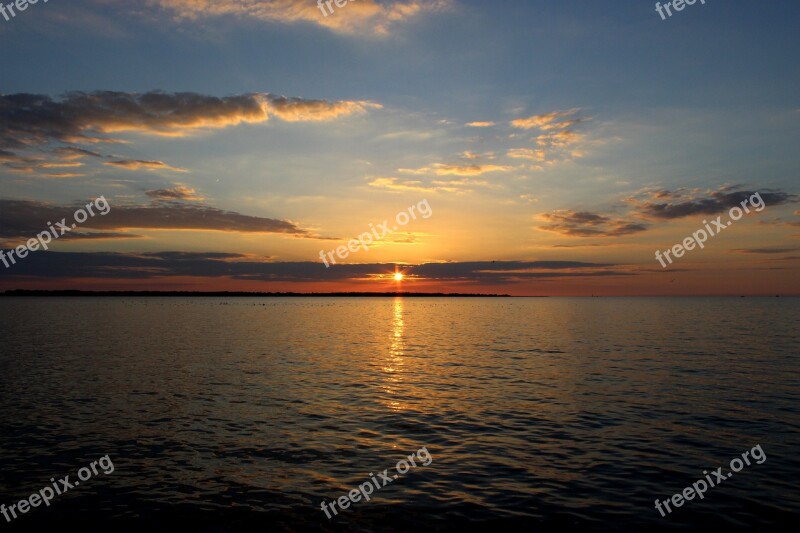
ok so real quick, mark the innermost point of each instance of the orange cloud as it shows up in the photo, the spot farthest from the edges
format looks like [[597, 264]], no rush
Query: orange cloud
[[179, 192], [356, 17], [300, 110], [527, 153], [442, 169], [462, 185], [546, 121], [559, 139], [137, 164]]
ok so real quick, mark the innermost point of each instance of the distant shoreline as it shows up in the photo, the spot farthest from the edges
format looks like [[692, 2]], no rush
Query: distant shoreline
[[189, 294]]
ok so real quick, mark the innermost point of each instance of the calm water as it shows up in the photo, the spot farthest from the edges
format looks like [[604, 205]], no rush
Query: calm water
[[245, 414]]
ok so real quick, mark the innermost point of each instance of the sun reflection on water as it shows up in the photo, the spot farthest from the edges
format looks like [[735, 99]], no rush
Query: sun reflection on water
[[395, 363]]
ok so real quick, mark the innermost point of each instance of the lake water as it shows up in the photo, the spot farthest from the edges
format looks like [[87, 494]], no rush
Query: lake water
[[245, 414]]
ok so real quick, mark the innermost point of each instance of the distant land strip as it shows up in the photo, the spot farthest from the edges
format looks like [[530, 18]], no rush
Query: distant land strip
[[189, 294]]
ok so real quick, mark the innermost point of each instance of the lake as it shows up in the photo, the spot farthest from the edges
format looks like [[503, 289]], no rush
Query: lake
[[240, 414]]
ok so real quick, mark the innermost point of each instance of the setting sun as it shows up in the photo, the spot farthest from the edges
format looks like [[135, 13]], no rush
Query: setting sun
[[398, 276]]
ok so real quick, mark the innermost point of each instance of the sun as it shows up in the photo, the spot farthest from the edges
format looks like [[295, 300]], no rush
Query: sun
[[398, 276]]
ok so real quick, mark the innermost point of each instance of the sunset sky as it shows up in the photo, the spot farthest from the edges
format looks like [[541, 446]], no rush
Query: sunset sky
[[558, 145]]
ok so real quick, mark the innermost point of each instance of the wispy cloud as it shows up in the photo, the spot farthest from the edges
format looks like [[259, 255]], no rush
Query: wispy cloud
[[559, 139], [444, 169], [179, 192], [137, 164], [361, 17], [462, 185], [302, 110], [547, 121], [61, 175], [527, 153], [70, 153]]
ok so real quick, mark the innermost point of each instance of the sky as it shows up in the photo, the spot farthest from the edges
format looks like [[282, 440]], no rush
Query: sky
[[519, 147]]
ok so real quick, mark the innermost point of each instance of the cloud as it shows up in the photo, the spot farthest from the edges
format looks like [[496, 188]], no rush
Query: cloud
[[559, 139], [24, 218], [547, 121], [300, 110], [34, 119], [509, 271], [555, 140], [765, 250], [62, 164], [442, 169], [587, 224], [682, 203], [61, 175], [659, 204], [9, 157], [196, 217], [137, 164], [97, 236], [451, 186], [472, 156], [65, 265], [179, 192], [480, 124], [28, 119], [527, 153], [39, 166], [71, 152], [356, 17]]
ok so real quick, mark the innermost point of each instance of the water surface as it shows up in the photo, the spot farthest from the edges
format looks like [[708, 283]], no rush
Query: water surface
[[245, 413]]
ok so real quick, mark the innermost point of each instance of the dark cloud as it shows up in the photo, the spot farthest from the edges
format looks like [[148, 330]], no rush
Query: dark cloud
[[61, 265], [9, 157], [765, 250], [198, 217], [32, 119], [586, 224], [179, 192], [714, 202], [24, 218], [29, 119], [507, 271]]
